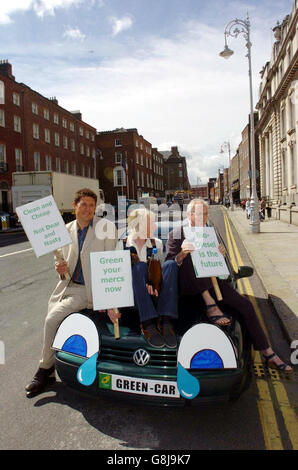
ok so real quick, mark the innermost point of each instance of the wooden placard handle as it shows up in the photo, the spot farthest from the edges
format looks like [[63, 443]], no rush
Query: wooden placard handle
[[116, 326], [216, 288], [61, 259]]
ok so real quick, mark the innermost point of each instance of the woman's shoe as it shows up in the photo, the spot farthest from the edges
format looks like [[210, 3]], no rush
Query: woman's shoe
[[218, 320], [153, 336], [272, 365], [167, 331]]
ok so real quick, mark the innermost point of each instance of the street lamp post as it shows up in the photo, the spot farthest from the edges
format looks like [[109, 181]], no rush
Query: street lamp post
[[233, 30], [227, 146]]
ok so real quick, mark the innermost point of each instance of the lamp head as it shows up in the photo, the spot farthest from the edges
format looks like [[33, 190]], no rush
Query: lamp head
[[226, 53]]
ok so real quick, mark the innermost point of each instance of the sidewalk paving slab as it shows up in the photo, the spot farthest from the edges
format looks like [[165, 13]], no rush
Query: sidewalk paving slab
[[274, 254]]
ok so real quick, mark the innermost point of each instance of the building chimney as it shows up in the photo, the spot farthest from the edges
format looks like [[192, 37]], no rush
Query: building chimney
[[6, 69], [54, 100], [175, 152], [77, 114]]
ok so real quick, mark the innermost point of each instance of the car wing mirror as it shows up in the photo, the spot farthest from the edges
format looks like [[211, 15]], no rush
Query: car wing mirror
[[244, 271]]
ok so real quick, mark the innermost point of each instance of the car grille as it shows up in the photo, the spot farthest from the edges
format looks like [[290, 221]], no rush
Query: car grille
[[158, 358]]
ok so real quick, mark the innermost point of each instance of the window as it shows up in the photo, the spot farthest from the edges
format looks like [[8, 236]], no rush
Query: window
[[2, 93], [48, 163], [71, 126], [64, 123], [138, 178], [142, 176], [47, 136], [17, 123], [2, 118], [142, 160], [137, 157], [56, 118], [82, 149], [119, 177], [92, 138], [88, 172], [87, 151], [83, 170], [16, 99], [283, 123], [73, 169], [36, 161], [57, 139], [87, 134], [58, 165], [34, 108], [46, 114], [2, 154], [72, 145], [65, 142], [19, 160], [36, 131], [66, 166], [118, 142], [118, 157], [292, 109], [81, 130]]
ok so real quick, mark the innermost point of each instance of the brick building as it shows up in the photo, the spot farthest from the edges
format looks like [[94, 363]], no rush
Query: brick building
[[244, 151], [199, 191], [211, 193], [175, 172], [158, 173], [126, 164], [38, 134], [235, 178]]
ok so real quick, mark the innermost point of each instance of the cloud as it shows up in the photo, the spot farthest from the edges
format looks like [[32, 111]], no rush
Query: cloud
[[40, 7], [74, 33], [121, 24], [175, 90]]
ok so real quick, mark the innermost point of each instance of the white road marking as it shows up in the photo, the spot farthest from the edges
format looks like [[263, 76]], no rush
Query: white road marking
[[16, 252]]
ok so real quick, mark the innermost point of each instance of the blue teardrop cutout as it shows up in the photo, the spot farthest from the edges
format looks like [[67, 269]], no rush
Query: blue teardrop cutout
[[188, 385], [87, 372]]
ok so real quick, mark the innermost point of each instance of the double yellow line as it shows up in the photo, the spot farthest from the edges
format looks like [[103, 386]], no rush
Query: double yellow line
[[267, 390]]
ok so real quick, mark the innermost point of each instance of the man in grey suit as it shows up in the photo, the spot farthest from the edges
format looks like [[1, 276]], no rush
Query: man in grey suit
[[74, 294]]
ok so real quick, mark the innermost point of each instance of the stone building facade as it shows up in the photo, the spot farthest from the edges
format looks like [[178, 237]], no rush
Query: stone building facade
[[278, 117]]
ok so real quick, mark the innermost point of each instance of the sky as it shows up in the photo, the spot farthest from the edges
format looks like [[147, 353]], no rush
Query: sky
[[153, 65]]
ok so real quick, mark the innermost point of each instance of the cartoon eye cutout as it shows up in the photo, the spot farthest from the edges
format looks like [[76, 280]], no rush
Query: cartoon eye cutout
[[202, 347], [206, 346], [77, 335]]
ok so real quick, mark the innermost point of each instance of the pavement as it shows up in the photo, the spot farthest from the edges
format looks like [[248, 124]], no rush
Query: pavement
[[274, 254]]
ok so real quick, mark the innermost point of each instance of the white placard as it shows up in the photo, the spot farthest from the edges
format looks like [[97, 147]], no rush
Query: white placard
[[43, 225], [111, 279], [207, 260]]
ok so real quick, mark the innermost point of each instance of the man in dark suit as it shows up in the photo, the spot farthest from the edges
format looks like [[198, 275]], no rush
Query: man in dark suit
[[179, 249]]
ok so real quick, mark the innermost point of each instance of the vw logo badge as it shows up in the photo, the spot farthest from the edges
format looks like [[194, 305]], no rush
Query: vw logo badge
[[141, 357]]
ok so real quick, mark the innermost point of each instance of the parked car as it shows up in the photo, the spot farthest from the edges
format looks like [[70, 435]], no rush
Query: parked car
[[130, 369]]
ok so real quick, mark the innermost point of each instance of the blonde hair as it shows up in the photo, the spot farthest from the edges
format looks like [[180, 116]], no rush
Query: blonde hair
[[137, 217]]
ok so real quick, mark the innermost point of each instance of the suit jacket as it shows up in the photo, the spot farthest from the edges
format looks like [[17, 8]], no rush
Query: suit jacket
[[189, 284], [70, 254]]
